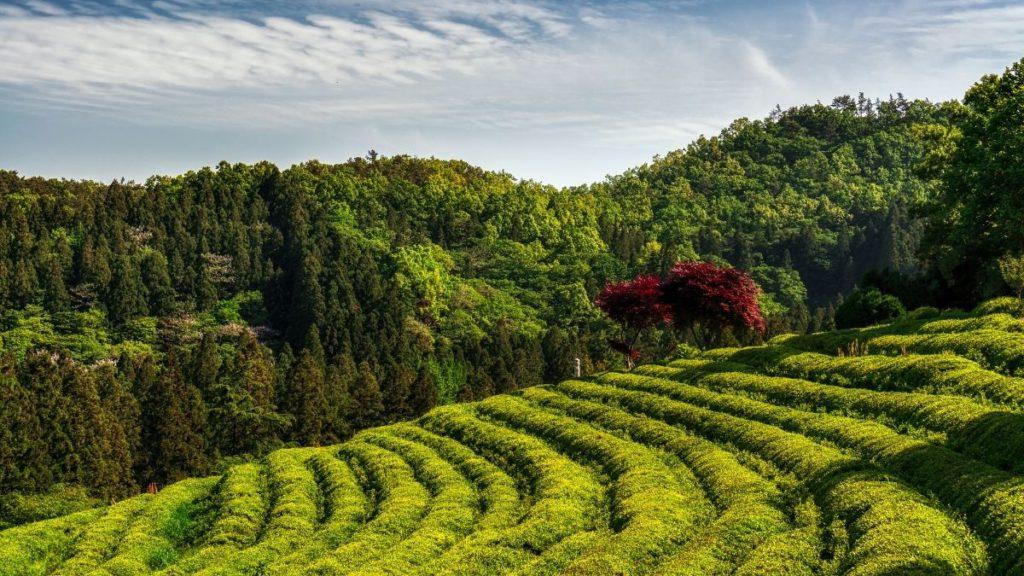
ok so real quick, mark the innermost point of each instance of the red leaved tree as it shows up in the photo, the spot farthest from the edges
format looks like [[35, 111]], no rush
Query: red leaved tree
[[636, 305], [705, 299]]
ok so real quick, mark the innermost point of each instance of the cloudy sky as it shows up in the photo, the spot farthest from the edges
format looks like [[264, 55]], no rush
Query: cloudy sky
[[559, 91]]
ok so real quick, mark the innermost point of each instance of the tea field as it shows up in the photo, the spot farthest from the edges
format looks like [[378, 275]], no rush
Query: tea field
[[895, 449]]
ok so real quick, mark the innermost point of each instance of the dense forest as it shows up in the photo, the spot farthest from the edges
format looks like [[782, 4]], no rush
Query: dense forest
[[152, 330]]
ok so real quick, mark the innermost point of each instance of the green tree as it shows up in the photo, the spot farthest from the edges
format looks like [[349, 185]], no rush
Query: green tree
[[1012, 269], [975, 216], [307, 402], [368, 401], [125, 296], [180, 421]]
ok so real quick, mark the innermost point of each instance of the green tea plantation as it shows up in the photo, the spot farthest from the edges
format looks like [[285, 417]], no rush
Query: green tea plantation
[[894, 449]]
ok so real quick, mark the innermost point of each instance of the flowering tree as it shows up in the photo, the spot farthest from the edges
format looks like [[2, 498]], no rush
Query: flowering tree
[[704, 296], [636, 305]]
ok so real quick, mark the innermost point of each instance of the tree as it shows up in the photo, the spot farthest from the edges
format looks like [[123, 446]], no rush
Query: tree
[[635, 305], [306, 400], [979, 166], [367, 398], [1012, 269], [180, 421], [866, 307], [705, 299], [242, 407], [157, 281], [126, 296], [424, 393]]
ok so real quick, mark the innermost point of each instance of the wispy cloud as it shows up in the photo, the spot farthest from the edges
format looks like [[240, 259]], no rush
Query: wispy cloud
[[505, 81]]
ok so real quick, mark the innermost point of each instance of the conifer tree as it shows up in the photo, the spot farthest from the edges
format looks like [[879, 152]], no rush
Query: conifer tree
[[367, 398], [423, 396], [180, 422], [305, 397], [157, 280], [125, 296]]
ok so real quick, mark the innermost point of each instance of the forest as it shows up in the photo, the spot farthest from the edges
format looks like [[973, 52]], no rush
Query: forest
[[159, 330]]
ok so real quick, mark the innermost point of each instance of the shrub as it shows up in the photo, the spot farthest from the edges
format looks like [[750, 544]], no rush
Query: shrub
[[866, 307]]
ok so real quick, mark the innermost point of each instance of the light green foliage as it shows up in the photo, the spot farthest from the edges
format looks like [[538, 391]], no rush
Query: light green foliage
[[1012, 269], [774, 460]]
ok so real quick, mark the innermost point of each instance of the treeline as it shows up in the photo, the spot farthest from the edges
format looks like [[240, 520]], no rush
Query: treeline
[[232, 309]]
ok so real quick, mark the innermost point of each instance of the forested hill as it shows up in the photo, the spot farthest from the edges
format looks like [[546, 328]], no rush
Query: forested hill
[[230, 309]]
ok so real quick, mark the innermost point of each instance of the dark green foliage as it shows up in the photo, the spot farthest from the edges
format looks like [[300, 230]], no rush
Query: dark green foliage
[[305, 396], [866, 307], [974, 218], [179, 425], [368, 402]]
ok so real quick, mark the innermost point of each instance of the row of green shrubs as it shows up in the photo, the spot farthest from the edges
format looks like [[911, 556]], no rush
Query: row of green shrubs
[[996, 341], [920, 539], [992, 501], [749, 506], [653, 510], [992, 435], [453, 508], [567, 499], [401, 501], [928, 373]]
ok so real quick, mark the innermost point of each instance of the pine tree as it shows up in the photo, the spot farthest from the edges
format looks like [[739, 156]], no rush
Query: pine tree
[[423, 396], [245, 413], [367, 398], [157, 281], [180, 422], [125, 296], [305, 398], [396, 390], [341, 378], [24, 456], [206, 365]]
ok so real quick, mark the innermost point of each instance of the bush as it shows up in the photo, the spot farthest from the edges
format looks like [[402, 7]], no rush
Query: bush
[[17, 508], [868, 307], [923, 313]]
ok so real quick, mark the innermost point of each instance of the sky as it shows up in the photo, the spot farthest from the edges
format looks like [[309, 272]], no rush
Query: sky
[[563, 92]]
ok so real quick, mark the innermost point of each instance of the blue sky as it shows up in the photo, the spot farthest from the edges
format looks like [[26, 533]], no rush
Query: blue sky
[[561, 92]]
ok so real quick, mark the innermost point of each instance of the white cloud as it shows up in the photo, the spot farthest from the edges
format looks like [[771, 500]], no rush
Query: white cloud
[[566, 86]]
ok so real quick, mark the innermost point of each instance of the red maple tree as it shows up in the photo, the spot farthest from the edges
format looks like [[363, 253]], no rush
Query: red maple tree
[[713, 298], [636, 305], [694, 295]]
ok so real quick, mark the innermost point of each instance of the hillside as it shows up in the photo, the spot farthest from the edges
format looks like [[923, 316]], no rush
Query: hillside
[[895, 449], [234, 309]]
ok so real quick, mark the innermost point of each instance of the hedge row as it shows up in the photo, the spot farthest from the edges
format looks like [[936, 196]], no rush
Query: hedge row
[[290, 521], [453, 508], [567, 499], [931, 373], [38, 548], [100, 539], [992, 435], [241, 512], [992, 501], [401, 503], [750, 506], [994, 348], [342, 507], [498, 494], [999, 351], [150, 542], [919, 539], [653, 509]]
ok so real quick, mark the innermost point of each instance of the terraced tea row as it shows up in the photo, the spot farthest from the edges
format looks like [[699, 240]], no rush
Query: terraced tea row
[[785, 459]]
